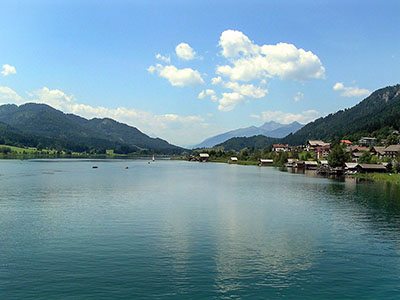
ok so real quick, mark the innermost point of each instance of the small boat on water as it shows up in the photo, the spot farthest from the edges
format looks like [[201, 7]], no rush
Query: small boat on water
[[126, 167], [154, 158], [94, 167]]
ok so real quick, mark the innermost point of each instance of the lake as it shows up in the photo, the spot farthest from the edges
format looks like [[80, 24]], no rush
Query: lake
[[180, 230]]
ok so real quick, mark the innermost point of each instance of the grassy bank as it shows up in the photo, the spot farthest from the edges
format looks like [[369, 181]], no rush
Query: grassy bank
[[379, 177]]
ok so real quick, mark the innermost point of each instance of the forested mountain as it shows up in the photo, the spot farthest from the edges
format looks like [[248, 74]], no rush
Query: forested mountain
[[257, 142], [40, 123], [381, 109], [377, 114], [269, 129]]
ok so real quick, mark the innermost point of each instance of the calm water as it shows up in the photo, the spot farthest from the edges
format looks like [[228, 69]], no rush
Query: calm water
[[178, 230]]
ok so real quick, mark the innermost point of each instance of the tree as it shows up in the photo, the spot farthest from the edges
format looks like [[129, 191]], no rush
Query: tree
[[365, 158], [337, 157]]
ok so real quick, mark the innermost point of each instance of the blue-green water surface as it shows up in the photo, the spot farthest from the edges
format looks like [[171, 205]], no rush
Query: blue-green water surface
[[179, 230]]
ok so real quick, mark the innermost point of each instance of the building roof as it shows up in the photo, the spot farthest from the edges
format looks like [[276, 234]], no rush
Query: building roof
[[322, 148], [372, 166], [357, 154], [351, 165], [234, 158], [316, 143], [280, 146], [379, 149], [311, 163], [264, 160], [356, 148], [368, 138], [204, 155], [323, 162], [393, 148], [292, 160], [345, 142]]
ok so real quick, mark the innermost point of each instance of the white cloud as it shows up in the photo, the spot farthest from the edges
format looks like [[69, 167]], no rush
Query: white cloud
[[255, 116], [286, 118], [229, 101], [208, 92], [8, 70], [299, 96], [247, 90], [216, 80], [54, 98], [185, 52], [9, 95], [165, 59], [250, 61], [178, 77], [351, 91]]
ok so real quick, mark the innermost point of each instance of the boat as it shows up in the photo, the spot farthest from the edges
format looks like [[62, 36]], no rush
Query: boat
[[94, 167], [154, 158]]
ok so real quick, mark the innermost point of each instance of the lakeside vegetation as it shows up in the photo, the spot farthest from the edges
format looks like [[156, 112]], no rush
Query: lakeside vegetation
[[379, 177]]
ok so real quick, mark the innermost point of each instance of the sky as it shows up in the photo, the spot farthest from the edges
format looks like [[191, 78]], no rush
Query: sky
[[187, 70]]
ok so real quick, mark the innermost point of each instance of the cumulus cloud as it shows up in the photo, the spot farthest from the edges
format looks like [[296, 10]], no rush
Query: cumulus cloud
[[10, 95], [185, 52], [229, 101], [299, 96], [208, 92], [286, 118], [247, 90], [216, 80], [163, 58], [178, 77], [351, 91], [249, 61], [8, 70]]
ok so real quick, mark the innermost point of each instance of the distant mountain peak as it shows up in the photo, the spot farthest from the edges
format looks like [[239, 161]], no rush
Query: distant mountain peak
[[270, 129]]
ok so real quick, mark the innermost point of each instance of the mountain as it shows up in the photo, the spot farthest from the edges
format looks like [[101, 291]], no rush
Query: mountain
[[269, 129], [379, 113], [256, 141], [43, 123]]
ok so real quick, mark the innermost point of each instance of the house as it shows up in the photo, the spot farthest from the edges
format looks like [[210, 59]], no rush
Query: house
[[324, 163], [323, 151], [367, 141], [345, 142], [392, 151], [204, 157], [356, 148], [280, 148], [300, 164], [266, 162], [313, 144], [356, 155], [311, 165], [291, 163], [233, 160], [351, 167], [371, 168], [379, 151]]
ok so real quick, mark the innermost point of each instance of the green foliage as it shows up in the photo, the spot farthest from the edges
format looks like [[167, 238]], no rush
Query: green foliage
[[306, 155], [396, 167], [365, 158], [337, 157]]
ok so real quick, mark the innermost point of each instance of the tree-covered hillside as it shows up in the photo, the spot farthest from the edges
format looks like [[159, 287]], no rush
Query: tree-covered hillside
[[32, 124], [377, 115]]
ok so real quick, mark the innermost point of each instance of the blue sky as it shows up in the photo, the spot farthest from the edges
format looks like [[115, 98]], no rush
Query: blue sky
[[187, 70]]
